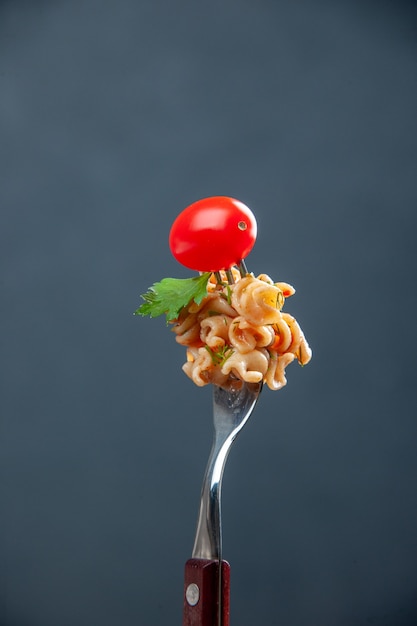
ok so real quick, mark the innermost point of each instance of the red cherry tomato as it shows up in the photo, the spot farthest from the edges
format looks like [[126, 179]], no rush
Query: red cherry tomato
[[213, 234]]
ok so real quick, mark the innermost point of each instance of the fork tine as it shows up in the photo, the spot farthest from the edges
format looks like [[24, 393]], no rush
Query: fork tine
[[243, 269], [230, 278]]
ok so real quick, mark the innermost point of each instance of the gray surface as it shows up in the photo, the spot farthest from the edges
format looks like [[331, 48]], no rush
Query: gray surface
[[114, 116]]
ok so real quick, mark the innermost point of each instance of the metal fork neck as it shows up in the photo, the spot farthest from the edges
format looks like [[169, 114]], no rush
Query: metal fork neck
[[208, 539], [232, 408]]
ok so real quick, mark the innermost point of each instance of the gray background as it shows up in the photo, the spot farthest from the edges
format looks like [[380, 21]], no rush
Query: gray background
[[114, 116]]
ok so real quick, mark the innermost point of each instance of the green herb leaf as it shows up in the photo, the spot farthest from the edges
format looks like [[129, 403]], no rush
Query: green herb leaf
[[220, 356], [170, 295]]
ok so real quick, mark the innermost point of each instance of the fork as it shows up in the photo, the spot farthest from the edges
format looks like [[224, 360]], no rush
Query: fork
[[207, 575]]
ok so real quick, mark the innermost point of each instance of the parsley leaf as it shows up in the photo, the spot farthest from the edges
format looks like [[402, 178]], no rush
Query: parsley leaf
[[170, 295]]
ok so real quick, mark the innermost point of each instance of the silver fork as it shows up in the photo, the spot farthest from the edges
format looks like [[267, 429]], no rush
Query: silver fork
[[207, 575]]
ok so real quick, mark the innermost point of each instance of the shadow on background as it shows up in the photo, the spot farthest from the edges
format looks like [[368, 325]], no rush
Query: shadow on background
[[115, 116]]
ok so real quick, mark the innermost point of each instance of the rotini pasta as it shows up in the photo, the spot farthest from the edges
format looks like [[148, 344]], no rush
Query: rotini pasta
[[239, 331]]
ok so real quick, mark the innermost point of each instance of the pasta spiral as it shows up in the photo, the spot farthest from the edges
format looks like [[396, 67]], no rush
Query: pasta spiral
[[239, 331]]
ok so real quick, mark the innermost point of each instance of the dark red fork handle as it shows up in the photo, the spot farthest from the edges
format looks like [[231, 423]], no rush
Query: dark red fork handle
[[202, 591]]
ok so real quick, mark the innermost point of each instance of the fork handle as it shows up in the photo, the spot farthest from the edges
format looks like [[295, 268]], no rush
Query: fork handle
[[203, 588]]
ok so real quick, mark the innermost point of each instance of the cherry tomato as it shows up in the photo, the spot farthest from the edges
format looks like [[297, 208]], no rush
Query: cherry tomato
[[213, 234]]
